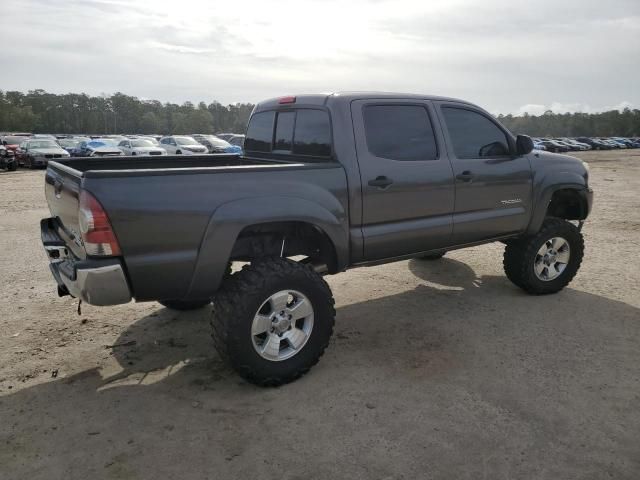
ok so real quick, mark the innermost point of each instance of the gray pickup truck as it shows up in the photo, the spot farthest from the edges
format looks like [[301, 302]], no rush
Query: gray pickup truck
[[326, 183]]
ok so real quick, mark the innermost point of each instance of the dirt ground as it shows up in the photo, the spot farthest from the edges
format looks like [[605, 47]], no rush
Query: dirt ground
[[436, 370]]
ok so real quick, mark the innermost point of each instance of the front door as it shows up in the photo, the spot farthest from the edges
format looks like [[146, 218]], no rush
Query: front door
[[492, 184], [407, 180]]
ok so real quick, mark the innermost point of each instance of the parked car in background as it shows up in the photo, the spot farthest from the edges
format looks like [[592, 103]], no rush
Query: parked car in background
[[612, 144], [216, 145], [573, 142], [594, 143], [152, 139], [12, 142], [225, 136], [572, 146], [99, 147], [554, 146], [237, 140], [69, 144], [37, 152], [7, 159], [140, 146], [182, 145], [622, 141], [538, 145]]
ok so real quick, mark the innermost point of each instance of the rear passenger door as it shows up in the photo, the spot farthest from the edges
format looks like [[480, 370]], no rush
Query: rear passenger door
[[407, 180], [492, 183]]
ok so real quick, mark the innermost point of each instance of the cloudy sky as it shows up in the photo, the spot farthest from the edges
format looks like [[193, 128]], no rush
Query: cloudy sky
[[509, 56]]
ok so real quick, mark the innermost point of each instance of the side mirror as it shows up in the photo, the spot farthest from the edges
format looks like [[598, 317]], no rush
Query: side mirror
[[524, 144]]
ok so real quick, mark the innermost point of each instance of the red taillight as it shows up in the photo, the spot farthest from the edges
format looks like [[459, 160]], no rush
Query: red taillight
[[287, 100], [95, 228]]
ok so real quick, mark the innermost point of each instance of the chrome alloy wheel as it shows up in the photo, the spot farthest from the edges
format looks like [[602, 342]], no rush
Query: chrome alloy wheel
[[552, 258], [282, 325]]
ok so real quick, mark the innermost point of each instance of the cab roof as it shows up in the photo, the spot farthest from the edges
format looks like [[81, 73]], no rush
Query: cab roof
[[347, 97]]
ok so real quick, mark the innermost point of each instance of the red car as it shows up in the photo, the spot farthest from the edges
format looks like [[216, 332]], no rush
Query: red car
[[11, 142]]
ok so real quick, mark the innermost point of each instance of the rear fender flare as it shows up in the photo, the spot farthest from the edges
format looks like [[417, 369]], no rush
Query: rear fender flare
[[229, 219]]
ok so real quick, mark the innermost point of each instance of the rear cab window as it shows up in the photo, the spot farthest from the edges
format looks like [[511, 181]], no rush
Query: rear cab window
[[295, 132], [400, 132]]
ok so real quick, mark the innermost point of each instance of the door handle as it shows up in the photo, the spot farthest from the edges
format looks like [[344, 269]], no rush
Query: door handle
[[381, 182], [465, 176]]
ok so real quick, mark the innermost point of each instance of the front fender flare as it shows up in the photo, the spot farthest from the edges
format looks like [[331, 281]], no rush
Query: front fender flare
[[547, 187]]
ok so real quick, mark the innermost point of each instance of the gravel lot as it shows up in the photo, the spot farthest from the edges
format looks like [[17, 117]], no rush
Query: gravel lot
[[436, 370]]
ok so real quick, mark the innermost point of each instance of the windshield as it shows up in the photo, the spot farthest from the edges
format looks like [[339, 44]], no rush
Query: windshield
[[186, 141], [141, 143], [42, 144]]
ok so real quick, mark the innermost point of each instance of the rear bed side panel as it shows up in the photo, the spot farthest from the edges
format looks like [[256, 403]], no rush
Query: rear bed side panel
[[160, 220]]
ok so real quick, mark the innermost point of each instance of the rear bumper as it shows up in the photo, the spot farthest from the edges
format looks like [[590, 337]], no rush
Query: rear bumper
[[96, 282]]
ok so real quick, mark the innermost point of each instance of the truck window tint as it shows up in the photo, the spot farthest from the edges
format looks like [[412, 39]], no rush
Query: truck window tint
[[473, 135], [399, 132], [284, 131], [313, 134], [260, 132]]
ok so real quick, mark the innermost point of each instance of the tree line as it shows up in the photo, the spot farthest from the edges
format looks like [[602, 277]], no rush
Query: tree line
[[40, 112], [613, 123]]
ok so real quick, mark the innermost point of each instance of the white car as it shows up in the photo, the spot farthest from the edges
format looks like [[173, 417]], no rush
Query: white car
[[182, 145], [140, 146]]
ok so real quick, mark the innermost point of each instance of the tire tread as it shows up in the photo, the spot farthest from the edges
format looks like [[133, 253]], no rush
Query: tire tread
[[516, 253], [228, 304]]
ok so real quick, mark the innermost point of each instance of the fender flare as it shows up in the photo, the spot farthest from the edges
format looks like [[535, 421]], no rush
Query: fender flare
[[229, 219], [547, 187]]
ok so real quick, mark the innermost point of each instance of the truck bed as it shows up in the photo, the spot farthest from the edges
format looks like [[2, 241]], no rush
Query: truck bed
[[177, 217]]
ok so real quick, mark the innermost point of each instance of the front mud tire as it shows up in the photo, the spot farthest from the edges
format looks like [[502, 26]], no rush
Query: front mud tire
[[240, 300], [521, 256]]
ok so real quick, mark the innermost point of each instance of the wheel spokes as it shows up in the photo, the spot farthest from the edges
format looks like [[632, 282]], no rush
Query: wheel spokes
[[301, 309], [271, 346], [279, 301], [563, 256], [296, 338], [557, 243], [261, 324]]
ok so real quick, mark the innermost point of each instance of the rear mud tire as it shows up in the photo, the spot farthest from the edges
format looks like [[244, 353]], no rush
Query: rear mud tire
[[239, 300]]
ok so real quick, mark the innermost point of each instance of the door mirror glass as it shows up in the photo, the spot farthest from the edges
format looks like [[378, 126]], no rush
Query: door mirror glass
[[524, 144]]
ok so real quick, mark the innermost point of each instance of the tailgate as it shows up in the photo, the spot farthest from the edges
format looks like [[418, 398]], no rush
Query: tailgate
[[62, 190]]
